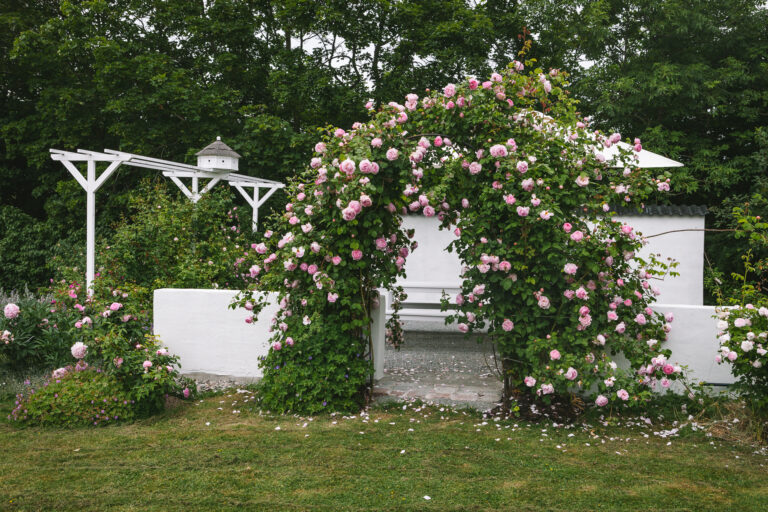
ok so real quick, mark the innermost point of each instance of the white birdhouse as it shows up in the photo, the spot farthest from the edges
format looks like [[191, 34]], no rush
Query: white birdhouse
[[218, 157]]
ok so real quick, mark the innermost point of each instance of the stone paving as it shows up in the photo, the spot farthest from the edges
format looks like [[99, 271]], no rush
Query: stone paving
[[441, 368]]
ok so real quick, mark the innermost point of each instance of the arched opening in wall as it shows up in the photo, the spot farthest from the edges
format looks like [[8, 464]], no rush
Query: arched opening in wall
[[436, 362]]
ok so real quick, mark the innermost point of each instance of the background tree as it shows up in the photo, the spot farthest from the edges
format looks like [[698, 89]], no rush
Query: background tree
[[164, 78]]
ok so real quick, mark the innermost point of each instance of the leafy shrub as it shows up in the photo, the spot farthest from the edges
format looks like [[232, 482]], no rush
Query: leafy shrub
[[110, 331], [24, 244], [76, 398], [38, 337], [524, 183], [313, 378], [743, 329], [170, 242]]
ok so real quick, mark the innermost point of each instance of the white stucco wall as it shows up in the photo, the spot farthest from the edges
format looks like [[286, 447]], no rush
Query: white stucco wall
[[431, 268], [686, 247], [211, 339]]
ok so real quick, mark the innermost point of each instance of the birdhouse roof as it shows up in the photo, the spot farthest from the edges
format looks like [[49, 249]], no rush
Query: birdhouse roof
[[217, 148]]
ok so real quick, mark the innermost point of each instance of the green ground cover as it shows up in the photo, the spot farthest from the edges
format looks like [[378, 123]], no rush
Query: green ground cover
[[218, 453]]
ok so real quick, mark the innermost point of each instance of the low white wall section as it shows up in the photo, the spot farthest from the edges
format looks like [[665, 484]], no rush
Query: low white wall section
[[208, 337], [212, 339], [692, 340]]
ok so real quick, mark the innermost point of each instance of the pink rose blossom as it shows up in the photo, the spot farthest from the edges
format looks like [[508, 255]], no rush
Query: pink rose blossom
[[571, 374], [357, 255], [507, 325], [601, 401], [577, 236], [529, 381], [554, 355], [622, 393], [570, 268]]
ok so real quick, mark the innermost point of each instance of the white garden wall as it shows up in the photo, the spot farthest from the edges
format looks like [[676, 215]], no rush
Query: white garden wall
[[213, 340], [431, 268], [210, 338]]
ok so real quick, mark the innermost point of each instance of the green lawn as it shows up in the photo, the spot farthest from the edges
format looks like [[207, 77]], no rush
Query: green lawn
[[198, 457]]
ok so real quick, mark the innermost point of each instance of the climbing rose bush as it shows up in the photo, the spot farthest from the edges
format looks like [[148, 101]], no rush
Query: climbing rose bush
[[511, 168]]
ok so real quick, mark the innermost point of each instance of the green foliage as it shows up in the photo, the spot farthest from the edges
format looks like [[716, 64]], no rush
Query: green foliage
[[327, 371], [744, 330], [111, 328], [77, 398], [38, 338], [169, 242], [24, 249]]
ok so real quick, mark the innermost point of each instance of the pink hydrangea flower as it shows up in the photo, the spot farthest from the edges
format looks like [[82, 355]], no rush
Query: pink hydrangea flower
[[79, 350], [11, 311]]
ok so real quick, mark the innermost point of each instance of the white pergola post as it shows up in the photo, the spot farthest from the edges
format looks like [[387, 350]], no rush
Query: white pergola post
[[255, 201], [90, 184]]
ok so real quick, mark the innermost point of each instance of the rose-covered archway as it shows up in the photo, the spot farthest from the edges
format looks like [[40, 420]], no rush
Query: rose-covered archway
[[514, 171]]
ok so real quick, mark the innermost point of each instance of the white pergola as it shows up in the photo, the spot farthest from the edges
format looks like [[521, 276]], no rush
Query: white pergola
[[91, 183]]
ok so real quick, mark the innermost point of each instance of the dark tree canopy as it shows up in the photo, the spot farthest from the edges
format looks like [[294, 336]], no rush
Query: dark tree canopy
[[164, 78]]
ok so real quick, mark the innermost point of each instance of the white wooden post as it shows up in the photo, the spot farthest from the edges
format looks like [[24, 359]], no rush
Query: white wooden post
[[255, 222], [90, 233]]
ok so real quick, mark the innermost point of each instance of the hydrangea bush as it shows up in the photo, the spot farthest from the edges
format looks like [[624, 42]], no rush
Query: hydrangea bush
[[743, 328], [508, 165], [111, 339]]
